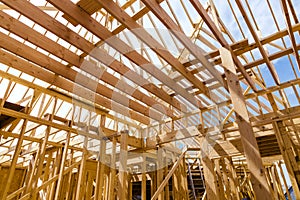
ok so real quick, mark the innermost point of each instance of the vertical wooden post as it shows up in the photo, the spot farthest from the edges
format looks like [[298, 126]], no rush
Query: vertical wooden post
[[129, 180], [288, 154], [274, 181], [69, 177], [232, 178], [219, 180], [113, 170], [153, 182], [82, 171], [58, 160], [225, 178], [210, 179], [41, 157], [28, 186], [160, 153], [14, 160], [254, 161], [123, 188], [100, 164], [62, 166], [269, 179], [279, 185], [184, 183], [47, 172], [144, 179], [100, 171], [278, 165], [175, 189], [167, 192]]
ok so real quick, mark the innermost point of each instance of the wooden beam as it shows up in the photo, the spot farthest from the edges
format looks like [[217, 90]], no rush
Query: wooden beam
[[82, 171], [254, 162], [220, 184], [142, 34], [67, 34], [278, 165], [73, 76], [14, 160], [210, 178], [100, 171], [195, 50], [260, 47], [168, 176], [62, 97], [290, 31], [122, 47], [9, 23], [112, 177], [60, 82], [217, 33], [144, 180], [123, 183], [176, 135], [160, 171], [62, 166], [288, 154]]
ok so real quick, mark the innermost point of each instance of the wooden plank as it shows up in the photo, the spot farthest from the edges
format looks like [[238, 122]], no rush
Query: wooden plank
[[278, 182], [184, 184], [287, 151], [167, 188], [82, 171], [290, 31], [260, 47], [144, 180], [254, 162], [168, 176], [14, 160], [197, 5], [232, 179], [187, 132], [60, 82], [175, 182], [225, 178], [101, 164], [195, 50], [62, 166], [113, 170], [141, 33], [57, 163], [278, 165], [100, 31], [219, 180], [210, 179], [79, 79], [13, 25], [159, 173], [123, 183]]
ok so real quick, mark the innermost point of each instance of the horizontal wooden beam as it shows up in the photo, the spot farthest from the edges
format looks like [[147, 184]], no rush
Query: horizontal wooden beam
[[100, 31], [63, 97], [73, 38], [212, 26], [188, 132], [142, 34], [9, 23], [51, 78]]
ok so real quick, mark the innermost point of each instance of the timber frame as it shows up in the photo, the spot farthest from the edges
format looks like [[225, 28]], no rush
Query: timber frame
[[149, 99]]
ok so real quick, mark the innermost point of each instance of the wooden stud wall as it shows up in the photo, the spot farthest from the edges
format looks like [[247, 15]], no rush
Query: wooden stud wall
[[84, 114]]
